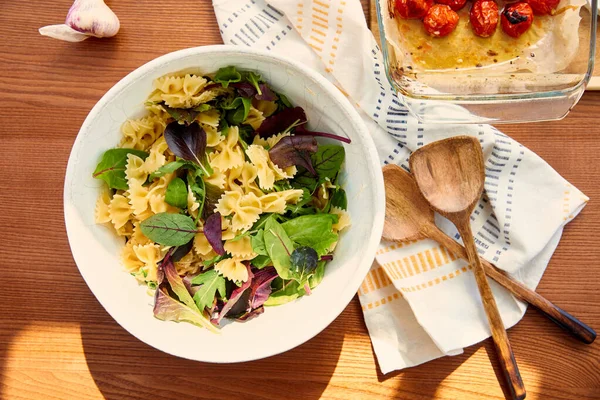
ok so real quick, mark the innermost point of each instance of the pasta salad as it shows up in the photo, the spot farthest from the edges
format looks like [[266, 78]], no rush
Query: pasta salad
[[226, 201]]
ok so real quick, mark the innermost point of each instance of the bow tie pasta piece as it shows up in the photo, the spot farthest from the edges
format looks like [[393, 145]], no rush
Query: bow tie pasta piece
[[267, 108], [213, 137], [241, 248], [119, 210], [243, 179], [268, 172], [229, 153], [129, 259], [134, 169], [217, 178], [158, 110], [138, 197], [343, 219], [149, 255], [193, 84], [126, 230], [158, 204], [157, 157], [228, 231], [192, 204], [202, 248], [232, 269], [275, 202], [102, 213], [160, 186], [139, 134], [210, 117], [245, 209], [188, 265], [255, 118], [270, 141], [168, 85], [137, 237]]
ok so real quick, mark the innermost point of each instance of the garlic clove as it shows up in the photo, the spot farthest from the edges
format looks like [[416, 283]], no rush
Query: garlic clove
[[63, 32], [85, 18], [93, 17]]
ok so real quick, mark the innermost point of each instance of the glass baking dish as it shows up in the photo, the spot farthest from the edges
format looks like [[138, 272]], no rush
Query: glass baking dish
[[463, 78]]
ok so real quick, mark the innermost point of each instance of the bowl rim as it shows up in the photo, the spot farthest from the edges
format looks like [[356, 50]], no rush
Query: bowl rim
[[367, 256]]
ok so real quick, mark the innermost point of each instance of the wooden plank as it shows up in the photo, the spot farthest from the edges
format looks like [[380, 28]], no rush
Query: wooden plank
[[57, 342]]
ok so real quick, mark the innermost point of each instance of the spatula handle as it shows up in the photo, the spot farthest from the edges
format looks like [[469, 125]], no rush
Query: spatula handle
[[508, 364], [560, 317]]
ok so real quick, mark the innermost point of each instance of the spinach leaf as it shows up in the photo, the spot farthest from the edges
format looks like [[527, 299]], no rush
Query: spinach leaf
[[176, 194], [282, 102], [227, 75], [111, 168], [258, 243], [328, 160], [290, 291], [298, 208], [312, 230], [198, 190], [303, 261], [339, 200], [316, 278], [240, 113], [211, 283], [260, 224], [170, 168], [169, 229], [254, 80], [260, 261], [279, 247]]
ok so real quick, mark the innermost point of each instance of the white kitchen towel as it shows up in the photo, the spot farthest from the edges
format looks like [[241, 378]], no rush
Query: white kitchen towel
[[419, 301]]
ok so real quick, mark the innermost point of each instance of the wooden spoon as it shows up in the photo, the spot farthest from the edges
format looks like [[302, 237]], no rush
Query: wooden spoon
[[450, 175], [409, 217]]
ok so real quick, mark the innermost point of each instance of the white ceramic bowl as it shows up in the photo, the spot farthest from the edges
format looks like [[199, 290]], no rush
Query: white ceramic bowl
[[96, 248]]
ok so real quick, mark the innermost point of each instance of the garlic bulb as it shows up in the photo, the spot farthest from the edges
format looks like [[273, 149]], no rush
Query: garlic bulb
[[85, 18]]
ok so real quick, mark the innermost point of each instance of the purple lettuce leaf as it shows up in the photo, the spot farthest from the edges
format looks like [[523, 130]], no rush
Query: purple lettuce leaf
[[244, 89], [236, 296], [251, 314], [288, 117], [177, 284], [187, 141], [167, 308], [281, 121], [213, 233], [260, 289], [182, 251], [266, 93], [294, 150], [160, 273]]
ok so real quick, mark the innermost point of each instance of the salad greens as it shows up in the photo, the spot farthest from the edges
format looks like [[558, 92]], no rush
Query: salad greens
[[207, 264]]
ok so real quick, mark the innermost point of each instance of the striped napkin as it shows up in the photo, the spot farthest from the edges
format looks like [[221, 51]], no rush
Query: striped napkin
[[419, 301]]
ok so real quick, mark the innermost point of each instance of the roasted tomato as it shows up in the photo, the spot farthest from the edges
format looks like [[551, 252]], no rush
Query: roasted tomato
[[516, 19], [413, 9], [543, 7], [440, 20], [484, 17], [454, 4]]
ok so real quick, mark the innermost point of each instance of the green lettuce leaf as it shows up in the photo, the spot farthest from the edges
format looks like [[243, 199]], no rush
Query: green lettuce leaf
[[211, 283], [167, 308], [227, 75], [314, 230], [279, 247]]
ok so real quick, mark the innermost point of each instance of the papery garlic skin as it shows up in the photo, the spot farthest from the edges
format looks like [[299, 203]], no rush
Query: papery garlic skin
[[85, 18]]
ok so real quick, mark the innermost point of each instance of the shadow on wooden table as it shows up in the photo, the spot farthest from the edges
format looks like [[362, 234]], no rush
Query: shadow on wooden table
[[124, 367]]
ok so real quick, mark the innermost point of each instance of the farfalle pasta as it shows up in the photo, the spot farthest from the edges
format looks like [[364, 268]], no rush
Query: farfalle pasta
[[206, 189]]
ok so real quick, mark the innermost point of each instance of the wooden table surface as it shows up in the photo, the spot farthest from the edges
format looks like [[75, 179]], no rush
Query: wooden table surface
[[57, 342]]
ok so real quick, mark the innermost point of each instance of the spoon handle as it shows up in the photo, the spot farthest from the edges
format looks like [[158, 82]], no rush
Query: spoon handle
[[557, 315], [508, 364]]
